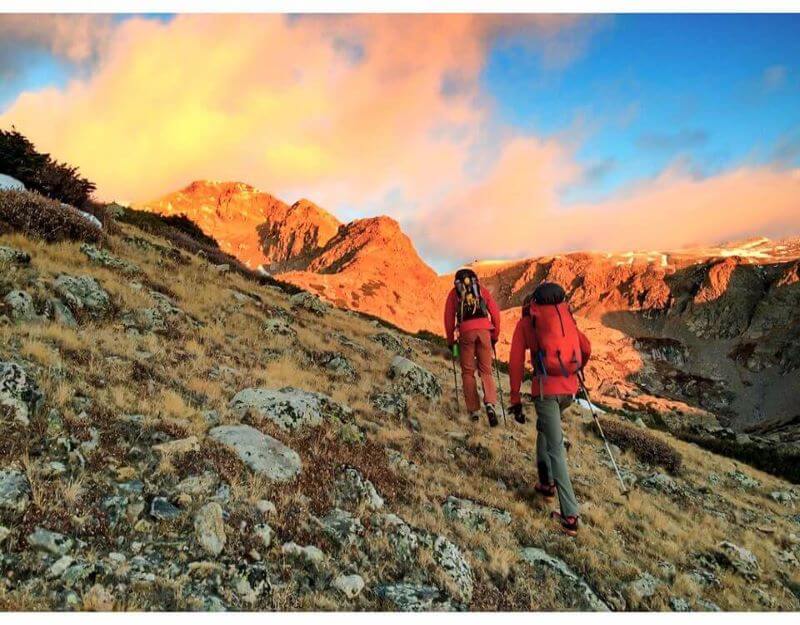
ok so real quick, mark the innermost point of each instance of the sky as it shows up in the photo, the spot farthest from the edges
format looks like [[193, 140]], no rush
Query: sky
[[486, 137]]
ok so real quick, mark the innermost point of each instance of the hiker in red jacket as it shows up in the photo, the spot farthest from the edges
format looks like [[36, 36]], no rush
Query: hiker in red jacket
[[472, 311], [558, 351]]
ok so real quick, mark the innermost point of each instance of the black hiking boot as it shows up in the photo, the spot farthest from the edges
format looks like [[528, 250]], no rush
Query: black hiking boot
[[548, 491], [490, 412], [569, 524]]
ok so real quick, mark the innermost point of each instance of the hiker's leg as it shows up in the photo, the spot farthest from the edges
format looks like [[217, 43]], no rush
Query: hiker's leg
[[548, 420], [466, 342], [483, 349], [543, 468]]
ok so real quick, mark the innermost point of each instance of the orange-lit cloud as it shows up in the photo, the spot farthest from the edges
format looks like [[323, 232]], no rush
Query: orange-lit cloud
[[358, 112], [343, 109], [518, 213]]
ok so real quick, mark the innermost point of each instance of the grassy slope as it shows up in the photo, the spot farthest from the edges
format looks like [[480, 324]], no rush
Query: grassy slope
[[621, 539]]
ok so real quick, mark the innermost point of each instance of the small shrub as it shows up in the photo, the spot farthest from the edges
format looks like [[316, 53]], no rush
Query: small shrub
[[39, 172], [644, 445], [38, 217]]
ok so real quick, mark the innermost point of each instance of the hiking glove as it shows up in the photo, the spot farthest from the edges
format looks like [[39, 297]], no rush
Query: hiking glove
[[516, 410]]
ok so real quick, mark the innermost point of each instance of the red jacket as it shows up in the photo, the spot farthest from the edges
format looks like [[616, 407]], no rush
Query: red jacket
[[492, 322], [524, 339]]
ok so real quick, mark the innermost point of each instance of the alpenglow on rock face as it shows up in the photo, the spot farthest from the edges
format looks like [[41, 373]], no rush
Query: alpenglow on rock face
[[288, 407], [414, 379], [261, 453]]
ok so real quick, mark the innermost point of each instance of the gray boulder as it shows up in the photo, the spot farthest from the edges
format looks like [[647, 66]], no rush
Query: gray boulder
[[14, 490], [309, 302], [474, 515], [308, 555], [391, 403], [83, 294], [7, 183], [453, 564], [390, 342], [209, 528], [14, 256], [410, 597], [352, 491], [263, 454], [51, 542], [414, 379], [644, 587], [738, 558], [349, 585], [660, 482], [106, 259], [278, 327], [20, 306], [342, 527], [19, 392], [288, 407], [588, 598], [58, 312]]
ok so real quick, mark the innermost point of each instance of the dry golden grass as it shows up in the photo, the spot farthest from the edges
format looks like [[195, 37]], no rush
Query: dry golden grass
[[167, 378]]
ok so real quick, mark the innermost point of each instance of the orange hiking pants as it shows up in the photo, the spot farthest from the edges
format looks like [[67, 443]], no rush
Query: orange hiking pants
[[476, 353]]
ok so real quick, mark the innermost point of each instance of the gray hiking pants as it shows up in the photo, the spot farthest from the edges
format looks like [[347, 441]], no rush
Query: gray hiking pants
[[551, 457]]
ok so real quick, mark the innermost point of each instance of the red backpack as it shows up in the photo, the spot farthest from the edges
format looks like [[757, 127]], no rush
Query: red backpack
[[559, 352]]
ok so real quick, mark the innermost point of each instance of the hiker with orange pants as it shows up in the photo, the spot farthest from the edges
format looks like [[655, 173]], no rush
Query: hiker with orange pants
[[472, 311], [558, 352]]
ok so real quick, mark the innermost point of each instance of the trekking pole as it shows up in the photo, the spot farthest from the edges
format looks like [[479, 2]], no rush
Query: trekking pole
[[624, 490], [499, 387], [453, 353]]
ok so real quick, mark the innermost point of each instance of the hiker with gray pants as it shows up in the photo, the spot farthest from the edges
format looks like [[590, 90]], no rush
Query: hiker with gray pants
[[558, 352]]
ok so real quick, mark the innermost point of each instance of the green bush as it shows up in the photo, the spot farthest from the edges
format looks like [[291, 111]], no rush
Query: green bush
[[39, 217], [39, 172]]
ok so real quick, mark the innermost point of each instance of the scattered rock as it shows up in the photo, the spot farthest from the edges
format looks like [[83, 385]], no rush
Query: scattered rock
[[209, 528], [265, 507], [391, 403], [20, 306], [288, 407], [338, 366], [309, 302], [391, 343], [4, 533], [198, 485], [409, 597], [58, 312], [178, 446], [264, 533], [261, 453], [14, 490], [473, 515], [414, 379], [743, 480], [83, 294], [14, 256], [590, 600], [352, 490], [738, 558], [342, 527], [645, 586], [309, 554], [279, 327], [660, 482], [453, 563], [19, 392], [163, 510], [349, 585], [678, 604], [104, 258], [51, 542]]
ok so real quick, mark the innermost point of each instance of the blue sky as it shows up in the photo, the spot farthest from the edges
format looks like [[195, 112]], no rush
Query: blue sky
[[709, 91]]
